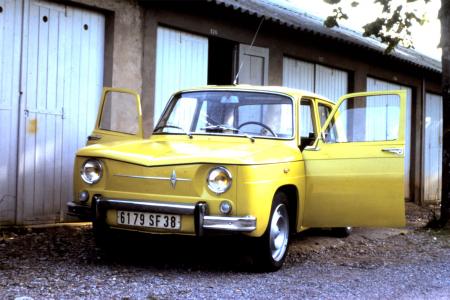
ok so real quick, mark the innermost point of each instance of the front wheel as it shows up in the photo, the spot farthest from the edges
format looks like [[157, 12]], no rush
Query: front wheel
[[272, 247]]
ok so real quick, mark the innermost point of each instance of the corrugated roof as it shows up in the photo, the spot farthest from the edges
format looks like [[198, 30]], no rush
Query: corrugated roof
[[292, 16]]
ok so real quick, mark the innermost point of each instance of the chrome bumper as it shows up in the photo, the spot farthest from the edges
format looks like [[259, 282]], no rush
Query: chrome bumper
[[199, 211], [240, 224]]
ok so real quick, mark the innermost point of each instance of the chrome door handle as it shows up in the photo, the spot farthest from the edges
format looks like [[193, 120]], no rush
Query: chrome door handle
[[398, 151], [94, 138]]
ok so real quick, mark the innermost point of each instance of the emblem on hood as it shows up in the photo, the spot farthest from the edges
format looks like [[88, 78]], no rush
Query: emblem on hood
[[173, 179]]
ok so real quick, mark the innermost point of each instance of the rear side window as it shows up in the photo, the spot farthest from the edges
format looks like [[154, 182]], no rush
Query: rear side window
[[306, 119], [324, 112]]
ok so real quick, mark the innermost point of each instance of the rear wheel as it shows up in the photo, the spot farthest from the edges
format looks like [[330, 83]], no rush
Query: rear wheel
[[342, 231], [272, 247]]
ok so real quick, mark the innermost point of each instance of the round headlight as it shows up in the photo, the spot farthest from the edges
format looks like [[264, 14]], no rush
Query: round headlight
[[91, 171], [219, 180]]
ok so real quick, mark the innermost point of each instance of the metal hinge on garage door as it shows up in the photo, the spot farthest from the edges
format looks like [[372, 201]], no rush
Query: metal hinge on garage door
[[44, 112]]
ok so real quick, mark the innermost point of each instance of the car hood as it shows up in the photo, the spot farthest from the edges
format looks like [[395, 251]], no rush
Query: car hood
[[160, 151]]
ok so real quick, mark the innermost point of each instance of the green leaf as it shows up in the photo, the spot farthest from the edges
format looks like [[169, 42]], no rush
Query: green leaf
[[331, 22]]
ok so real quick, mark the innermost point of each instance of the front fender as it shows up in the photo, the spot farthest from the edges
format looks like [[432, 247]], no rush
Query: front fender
[[257, 186]]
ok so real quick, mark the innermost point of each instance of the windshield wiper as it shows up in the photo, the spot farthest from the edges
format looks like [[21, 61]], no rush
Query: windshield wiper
[[189, 134], [219, 128], [222, 128]]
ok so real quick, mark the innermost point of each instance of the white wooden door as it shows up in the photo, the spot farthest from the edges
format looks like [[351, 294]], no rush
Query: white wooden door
[[10, 32], [253, 65], [181, 62], [298, 74], [432, 159], [62, 78], [380, 85], [329, 82]]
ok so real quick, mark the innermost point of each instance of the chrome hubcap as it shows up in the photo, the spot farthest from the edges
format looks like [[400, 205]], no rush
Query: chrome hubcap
[[279, 232]]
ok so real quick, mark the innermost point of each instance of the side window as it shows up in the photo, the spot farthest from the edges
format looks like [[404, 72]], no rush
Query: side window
[[307, 130], [120, 113], [366, 119]]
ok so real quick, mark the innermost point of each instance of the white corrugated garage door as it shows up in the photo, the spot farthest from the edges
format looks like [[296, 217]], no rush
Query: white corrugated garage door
[[379, 85], [10, 32], [181, 62], [432, 159], [298, 74], [62, 76], [325, 81], [329, 82]]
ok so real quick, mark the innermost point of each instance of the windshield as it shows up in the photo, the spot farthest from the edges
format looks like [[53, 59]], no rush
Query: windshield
[[251, 114]]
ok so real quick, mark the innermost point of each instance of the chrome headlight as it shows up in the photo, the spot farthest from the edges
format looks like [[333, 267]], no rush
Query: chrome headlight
[[219, 180], [91, 171]]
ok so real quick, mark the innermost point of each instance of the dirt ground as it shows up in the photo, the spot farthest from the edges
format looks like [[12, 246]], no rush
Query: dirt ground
[[62, 262]]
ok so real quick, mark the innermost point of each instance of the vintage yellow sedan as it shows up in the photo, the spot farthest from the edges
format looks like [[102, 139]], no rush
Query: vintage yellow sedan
[[264, 162]]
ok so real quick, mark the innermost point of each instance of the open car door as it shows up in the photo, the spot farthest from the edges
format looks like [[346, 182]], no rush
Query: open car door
[[119, 117], [354, 171]]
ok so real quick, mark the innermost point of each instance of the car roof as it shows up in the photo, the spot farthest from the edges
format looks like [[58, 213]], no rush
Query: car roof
[[258, 88]]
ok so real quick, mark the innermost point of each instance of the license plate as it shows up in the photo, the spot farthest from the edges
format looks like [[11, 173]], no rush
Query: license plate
[[151, 220]]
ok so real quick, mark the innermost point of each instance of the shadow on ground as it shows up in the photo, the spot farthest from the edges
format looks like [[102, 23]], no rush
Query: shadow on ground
[[75, 245]]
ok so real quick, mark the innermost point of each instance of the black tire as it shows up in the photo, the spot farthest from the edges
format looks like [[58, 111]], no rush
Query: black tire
[[271, 249], [342, 232]]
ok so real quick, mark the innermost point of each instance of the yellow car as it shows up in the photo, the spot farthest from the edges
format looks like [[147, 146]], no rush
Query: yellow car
[[259, 161]]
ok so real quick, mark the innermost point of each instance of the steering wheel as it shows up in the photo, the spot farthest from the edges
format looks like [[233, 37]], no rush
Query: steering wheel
[[259, 124]]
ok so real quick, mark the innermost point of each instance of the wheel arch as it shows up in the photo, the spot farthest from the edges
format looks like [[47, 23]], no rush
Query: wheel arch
[[293, 197]]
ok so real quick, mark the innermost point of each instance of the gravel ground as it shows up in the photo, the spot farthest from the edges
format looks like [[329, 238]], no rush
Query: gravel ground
[[63, 263]]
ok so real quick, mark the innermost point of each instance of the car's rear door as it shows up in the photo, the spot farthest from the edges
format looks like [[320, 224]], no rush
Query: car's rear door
[[119, 117], [354, 172]]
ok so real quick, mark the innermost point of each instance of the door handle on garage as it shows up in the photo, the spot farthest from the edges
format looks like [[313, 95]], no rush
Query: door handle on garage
[[398, 151]]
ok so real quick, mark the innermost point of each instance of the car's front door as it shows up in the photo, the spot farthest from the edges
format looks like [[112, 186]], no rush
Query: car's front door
[[354, 171], [119, 117]]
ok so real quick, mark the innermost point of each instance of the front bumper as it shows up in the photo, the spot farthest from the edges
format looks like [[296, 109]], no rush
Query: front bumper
[[203, 221]]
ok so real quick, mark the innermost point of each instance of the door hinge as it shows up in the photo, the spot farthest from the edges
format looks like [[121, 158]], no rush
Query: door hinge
[[44, 112]]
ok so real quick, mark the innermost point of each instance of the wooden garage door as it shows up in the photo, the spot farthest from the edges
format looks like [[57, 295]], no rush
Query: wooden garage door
[[62, 78], [181, 62], [329, 82], [10, 33], [432, 154]]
